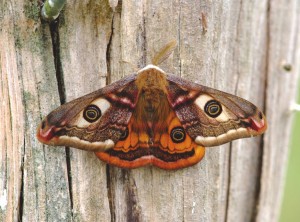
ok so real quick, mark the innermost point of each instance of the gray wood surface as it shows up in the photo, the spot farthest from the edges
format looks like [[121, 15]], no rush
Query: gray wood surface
[[246, 50]]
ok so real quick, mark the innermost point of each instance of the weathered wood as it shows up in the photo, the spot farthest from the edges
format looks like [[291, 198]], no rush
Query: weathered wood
[[243, 51], [11, 127], [83, 46], [35, 179], [283, 51]]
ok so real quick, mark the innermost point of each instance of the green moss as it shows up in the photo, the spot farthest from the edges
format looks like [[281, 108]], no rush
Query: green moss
[[32, 10], [18, 40], [28, 96], [29, 34]]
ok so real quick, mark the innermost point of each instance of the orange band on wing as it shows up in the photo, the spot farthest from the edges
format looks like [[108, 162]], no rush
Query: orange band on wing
[[138, 150], [120, 161]]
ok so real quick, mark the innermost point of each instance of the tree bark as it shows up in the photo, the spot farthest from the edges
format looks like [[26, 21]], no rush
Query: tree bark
[[249, 48]]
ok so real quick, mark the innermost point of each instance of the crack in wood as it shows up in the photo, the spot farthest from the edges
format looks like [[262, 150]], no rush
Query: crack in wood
[[235, 92], [228, 182], [264, 108], [62, 93], [110, 193], [57, 60], [109, 183], [257, 185], [21, 196], [108, 52], [68, 161], [133, 208]]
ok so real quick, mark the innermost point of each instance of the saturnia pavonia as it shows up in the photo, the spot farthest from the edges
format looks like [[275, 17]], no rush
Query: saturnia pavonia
[[152, 117]]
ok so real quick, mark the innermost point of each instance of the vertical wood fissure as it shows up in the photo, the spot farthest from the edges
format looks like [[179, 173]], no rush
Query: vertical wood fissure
[[21, 194], [54, 31], [264, 108], [110, 195], [258, 182], [68, 162], [230, 157], [109, 185], [108, 52], [133, 209], [228, 183], [57, 60]]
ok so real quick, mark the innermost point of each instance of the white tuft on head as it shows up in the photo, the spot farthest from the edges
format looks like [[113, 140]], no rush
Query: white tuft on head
[[151, 67]]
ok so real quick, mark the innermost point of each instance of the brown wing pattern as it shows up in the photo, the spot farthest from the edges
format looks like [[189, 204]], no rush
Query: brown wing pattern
[[93, 122], [212, 117]]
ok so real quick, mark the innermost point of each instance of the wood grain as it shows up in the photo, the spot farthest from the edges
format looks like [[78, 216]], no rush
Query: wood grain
[[243, 51]]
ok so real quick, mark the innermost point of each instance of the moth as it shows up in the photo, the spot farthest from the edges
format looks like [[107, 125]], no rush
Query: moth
[[151, 117]]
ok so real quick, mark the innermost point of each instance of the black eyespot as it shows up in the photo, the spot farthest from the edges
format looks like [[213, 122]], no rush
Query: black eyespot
[[124, 134], [213, 108], [92, 113], [177, 135]]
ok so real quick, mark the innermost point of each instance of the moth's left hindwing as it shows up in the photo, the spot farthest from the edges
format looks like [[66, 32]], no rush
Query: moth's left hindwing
[[212, 117], [94, 122]]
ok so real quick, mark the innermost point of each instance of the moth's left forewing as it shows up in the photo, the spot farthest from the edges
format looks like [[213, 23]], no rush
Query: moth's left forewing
[[93, 122], [212, 117]]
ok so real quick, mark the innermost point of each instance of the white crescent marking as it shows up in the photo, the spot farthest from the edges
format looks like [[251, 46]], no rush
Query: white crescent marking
[[223, 138], [85, 145]]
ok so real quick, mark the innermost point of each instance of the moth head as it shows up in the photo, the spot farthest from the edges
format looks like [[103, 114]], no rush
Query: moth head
[[74, 124]]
